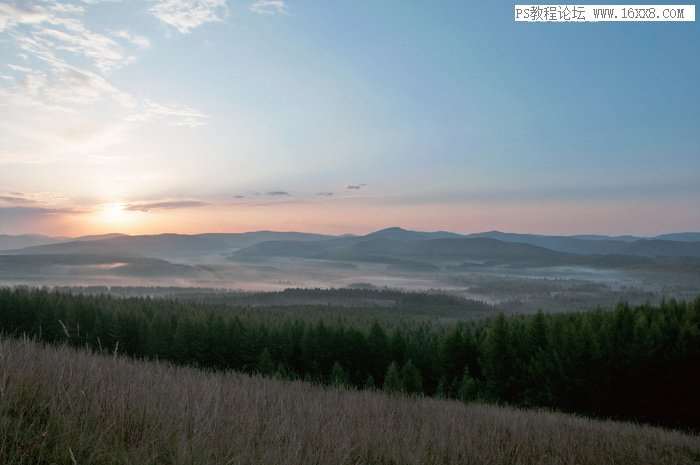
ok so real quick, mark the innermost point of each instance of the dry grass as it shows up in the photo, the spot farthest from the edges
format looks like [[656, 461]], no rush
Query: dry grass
[[60, 406]]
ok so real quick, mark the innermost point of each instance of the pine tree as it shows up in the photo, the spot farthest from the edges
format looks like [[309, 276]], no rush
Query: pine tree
[[468, 388], [498, 361], [392, 379], [370, 383], [282, 372], [441, 389], [265, 365], [411, 378], [538, 333], [338, 375]]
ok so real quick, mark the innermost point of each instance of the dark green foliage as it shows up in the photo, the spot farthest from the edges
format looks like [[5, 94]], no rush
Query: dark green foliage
[[636, 363], [468, 388], [392, 380], [338, 375], [265, 365], [411, 379]]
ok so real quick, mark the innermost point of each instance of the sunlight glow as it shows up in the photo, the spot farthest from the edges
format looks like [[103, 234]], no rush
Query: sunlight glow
[[114, 213]]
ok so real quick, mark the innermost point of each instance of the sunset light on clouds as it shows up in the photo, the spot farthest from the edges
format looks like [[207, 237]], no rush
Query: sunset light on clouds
[[213, 115]]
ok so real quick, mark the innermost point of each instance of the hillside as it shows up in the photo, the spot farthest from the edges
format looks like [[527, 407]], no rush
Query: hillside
[[8, 242], [387, 250], [601, 363], [163, 246], [390, 245], [69, 407], [670, 245], [34, 266]]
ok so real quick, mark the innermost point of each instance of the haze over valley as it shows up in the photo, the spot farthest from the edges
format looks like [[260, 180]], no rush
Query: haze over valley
[[515, 272]]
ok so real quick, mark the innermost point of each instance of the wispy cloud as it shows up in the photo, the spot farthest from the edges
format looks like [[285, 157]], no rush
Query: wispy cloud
[[179, 115], [185, 15], [135, 39], [277, 193], [49, 35], [12, 15], [61, 87], [15, 199], [325, 194], [166, 205], [51, 27], [20, 219], [268, 7], [355, 187], [20, 212]]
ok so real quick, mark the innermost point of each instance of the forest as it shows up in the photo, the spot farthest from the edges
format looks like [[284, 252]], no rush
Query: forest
[[634, 363]]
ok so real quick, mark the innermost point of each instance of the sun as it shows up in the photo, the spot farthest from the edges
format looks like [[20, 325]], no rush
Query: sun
[[114, 213]]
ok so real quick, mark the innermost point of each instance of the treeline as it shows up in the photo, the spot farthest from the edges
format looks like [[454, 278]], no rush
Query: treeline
[[343, 296], [636, 363]]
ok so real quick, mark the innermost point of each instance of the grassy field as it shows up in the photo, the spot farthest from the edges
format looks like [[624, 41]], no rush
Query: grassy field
[[62, 406]]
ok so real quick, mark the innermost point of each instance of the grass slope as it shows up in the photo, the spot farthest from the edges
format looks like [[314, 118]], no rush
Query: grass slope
[[60, 406]]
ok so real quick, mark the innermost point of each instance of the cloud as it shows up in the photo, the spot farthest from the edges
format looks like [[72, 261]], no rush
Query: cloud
[[12, 15], [325, 194], [277, 193], [48, 28], [18, 212], [20, 219], [61, 87], [167, 205], [134, 39], [268, 7], [53, 31], [14, 198], [355, 186], [75, 38], [178, 115], [239, 197], [34, 199], [185, 15]]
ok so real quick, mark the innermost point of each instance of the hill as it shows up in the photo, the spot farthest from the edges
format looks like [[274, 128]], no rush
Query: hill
[[163, 246], [566, 244], [64, 406], [681, 237], [402, 251], [387, 250], [41, 266], [407, 235], [26, 240]]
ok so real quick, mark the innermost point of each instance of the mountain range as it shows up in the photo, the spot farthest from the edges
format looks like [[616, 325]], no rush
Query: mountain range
[[397, 247]]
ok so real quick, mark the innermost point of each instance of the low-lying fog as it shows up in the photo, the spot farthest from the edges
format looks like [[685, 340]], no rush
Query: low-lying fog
[[514, 289]]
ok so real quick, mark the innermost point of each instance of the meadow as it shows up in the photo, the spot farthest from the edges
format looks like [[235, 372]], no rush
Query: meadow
[[61, 405], [625, 363]]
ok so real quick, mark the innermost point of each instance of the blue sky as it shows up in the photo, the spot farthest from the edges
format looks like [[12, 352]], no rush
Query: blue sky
[[201, 115]]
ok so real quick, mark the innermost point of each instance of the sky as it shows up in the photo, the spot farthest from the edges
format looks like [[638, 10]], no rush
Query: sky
[[342, 117]]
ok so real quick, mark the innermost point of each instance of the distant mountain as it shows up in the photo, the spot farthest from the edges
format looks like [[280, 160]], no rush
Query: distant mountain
[[567, 244], [604, 245], [420, 253], [63, 266], [598, 237], [406, 235], [662, 248], [681, 237], [413, 250], [164, 246], [26, 240], [99, 237], [397, 247]]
